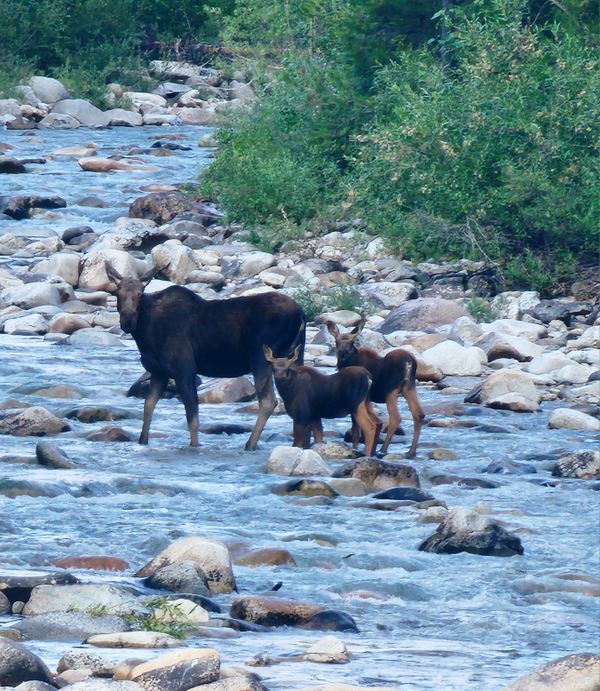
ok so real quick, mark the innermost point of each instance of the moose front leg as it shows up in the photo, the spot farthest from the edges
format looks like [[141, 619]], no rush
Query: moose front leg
[[157, 386], [265, 392], [301, 435], [186, 387]]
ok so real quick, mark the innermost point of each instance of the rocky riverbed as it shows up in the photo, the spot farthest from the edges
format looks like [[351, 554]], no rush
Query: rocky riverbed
[[463, 569]]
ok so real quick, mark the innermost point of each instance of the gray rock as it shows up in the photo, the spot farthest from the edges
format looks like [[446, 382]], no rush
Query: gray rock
[[47, 89], [380, 475], [35, 421], [422, 314], [181, 577], [59, 121], [68, 626], [17, 665], [578, 464], [464, 530], [11, 166], [50, 455], [87, 114], [578, 672], [179, 670], [82, 597]]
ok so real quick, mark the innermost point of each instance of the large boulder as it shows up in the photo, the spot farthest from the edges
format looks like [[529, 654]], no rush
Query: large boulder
[[210, 556], [566, 418], [93, 272], [87, 114], [161, 207], [47, 89], [36, 294], [63, 264], [578, 464], [18, 665], [80, 597], [176, 261], [577, 672], [380, 475], [68, 626], [455, 360], [501, 345], [464, 530], [422, 314]]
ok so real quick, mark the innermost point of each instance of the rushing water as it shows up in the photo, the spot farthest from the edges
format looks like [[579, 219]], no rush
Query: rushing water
[[426, 621]]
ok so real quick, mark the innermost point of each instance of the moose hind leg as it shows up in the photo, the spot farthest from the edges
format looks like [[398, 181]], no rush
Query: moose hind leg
[[317, 430], [186, 386], [368, 427], [391, 401], [157, 385], [417, 415], [301, 435], [265, 391]]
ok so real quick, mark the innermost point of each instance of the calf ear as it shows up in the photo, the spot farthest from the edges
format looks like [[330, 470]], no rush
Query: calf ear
[[268, 353], [333, 329], [112, 273], [145, 278], [295, 355], [359, 327]]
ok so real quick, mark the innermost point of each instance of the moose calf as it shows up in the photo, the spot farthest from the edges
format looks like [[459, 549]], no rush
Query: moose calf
[[309, 396], [179, 335], [392, 375]]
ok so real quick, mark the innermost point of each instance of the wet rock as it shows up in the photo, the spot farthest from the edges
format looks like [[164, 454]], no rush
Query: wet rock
[[180, 611], [469, 482], [210, 556], [330, 620], [348, 486], [404, 493], [380, 475], [329, 649], [567, 418], [180, 577], [577, 672], [110, 434], [178, 671], [104, 685], [50, 455], [307, 488], [35, 421], [18, 586], [441, 454], [464, 530], [85, 659], [4, 604], [90, 414], [133, 639], [584, 465], [236, 682], [162, 207], [501, 383], [286, 460], [95, 563], [20, 207], [68, 626], [81, 597], [509, 468], [267, 556], [422, 314], [272, 611], [11, 166], [17, 665], [434, 514], [227, 391], [515, 402]]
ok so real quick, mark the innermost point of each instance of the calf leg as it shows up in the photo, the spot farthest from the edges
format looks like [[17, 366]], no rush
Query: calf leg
[[368, 427], [186, 387], [391, 401], [265, 392], [157, 385], [417, 415], [378, 424], [355, 432]]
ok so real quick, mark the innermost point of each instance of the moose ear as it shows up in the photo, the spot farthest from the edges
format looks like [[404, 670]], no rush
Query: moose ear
[[112, 273], [333, 329], [359, 327], [295, 354], [268, 354], [146, 277]]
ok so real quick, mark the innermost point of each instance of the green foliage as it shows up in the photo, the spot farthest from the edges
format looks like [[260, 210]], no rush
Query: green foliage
[[480, 310], [501, 139], [342, 297], [176, 626]]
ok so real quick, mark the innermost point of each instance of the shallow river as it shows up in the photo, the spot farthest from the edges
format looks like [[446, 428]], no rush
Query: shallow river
[[426, 621]]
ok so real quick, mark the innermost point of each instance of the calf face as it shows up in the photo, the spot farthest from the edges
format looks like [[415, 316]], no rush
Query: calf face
[[129, 295], [345, 343]]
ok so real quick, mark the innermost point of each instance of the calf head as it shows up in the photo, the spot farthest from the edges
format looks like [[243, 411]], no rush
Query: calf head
[[345, 343], [283, 367], [129, 295]]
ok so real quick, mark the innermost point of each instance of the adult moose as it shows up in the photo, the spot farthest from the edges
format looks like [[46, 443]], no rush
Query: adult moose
[[310, 396], [179, 335], [393, 375]]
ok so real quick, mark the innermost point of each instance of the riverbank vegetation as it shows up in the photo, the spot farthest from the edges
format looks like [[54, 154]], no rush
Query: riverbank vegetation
[[452, 129]]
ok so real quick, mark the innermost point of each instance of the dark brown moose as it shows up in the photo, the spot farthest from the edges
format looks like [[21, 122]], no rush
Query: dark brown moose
[[179, 335], [310, 396], [393, 374]]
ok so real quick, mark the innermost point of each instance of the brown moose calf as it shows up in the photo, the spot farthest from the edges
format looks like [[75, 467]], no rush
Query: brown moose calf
[[309, 396], [393, 375]]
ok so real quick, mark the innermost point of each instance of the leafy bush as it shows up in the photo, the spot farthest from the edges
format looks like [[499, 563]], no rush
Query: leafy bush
[[501, 139]]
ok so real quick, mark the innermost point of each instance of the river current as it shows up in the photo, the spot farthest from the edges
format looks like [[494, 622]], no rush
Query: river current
[[426, 621]]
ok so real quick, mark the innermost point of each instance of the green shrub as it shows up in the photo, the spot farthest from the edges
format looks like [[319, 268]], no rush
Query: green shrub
[[500, 139]]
